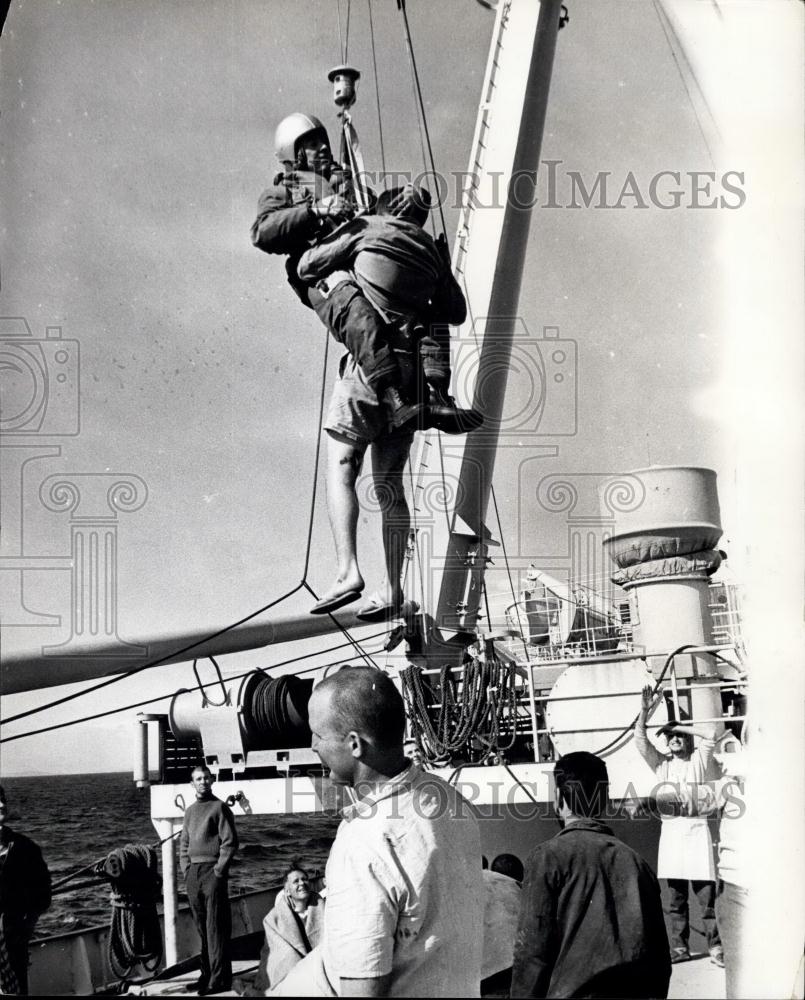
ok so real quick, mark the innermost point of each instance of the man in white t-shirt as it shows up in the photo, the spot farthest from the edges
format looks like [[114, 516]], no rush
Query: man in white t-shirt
[[405, 898]]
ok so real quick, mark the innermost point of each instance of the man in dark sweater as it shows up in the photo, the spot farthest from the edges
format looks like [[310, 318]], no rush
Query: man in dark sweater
[[591, 923], [206, 846]]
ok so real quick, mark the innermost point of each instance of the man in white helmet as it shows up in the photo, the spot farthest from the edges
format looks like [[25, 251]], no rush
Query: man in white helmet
[[310, 198], [306, 204]]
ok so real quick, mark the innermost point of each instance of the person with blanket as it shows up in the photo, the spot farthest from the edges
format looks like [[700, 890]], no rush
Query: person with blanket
[[293, 926]]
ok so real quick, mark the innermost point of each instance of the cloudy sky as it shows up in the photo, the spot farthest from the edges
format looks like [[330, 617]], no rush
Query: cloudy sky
[[136, 139]]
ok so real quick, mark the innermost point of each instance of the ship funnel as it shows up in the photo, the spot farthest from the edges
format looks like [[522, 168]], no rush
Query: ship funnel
[[663, 547]]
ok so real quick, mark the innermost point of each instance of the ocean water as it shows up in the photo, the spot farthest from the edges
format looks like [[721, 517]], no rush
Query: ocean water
[[78, 818]]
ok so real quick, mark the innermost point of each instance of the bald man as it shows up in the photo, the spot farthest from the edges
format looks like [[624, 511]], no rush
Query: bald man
[[405, 897]]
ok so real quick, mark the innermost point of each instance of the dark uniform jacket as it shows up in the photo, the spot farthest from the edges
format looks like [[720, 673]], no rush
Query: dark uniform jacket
[[24, 879], [286, 223], [591, 923]]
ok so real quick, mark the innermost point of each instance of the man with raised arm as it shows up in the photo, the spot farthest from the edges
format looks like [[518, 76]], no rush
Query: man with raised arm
[[207, 845], [405, 899], [684, 797]]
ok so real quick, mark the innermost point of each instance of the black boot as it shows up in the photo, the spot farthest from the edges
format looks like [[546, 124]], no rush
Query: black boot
[[400, 410], [443, 414]]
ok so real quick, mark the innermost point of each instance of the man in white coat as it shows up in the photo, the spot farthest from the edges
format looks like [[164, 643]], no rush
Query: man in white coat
[[686, 847]]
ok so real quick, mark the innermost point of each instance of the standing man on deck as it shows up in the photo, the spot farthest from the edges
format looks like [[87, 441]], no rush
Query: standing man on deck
[[591, 921], [405, 898], [24, 896], [686, 847], [206, 846]]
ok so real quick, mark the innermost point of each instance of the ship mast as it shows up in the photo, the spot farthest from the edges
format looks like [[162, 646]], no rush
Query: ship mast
[[488, 261]]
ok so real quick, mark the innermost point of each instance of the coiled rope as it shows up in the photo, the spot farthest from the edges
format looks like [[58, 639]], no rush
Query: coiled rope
[[135, 935], [476, 711]]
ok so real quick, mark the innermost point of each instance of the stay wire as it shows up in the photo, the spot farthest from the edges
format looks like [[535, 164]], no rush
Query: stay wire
[[508, 567], [197, 687], [355, 643], [228, 628], [668, 31], [418, 87], [377, 88]]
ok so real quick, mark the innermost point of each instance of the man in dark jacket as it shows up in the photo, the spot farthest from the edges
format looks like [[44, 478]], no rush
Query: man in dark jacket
[[312, 200], [206, 846], [24, 895], [591, 923], [308, 200]]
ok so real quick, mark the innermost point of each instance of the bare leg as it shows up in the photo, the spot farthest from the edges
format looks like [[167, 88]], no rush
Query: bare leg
[[344, 460], [389, 455]]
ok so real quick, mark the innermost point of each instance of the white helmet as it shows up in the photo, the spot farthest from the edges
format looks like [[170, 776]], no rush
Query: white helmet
[[290, 130]]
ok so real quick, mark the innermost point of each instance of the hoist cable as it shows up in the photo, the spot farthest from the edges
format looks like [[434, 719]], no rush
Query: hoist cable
[[340, 34], [346, 31], [418, 88]]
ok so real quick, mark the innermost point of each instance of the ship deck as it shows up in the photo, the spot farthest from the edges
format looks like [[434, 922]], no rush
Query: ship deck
[[698, 978]]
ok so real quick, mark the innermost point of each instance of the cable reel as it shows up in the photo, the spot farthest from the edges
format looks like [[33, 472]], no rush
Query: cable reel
[[265, 724]]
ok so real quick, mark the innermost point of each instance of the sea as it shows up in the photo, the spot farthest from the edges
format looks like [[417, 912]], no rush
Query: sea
[[78, 818]]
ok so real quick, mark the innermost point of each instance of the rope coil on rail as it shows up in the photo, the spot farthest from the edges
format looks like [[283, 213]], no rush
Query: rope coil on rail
[[135, 935]]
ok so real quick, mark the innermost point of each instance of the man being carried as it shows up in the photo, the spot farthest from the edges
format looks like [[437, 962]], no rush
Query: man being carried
[[406, 277]]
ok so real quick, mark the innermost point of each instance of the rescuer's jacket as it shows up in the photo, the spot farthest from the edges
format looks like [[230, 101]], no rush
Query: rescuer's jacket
[[286, 222]]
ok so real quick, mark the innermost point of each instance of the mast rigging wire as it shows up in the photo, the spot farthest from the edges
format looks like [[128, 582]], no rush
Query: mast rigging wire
[[675, 45], [377, 88], [361, 652], [418, 91]]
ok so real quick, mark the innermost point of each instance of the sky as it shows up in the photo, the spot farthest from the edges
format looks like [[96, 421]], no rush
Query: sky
[[136, 138]]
